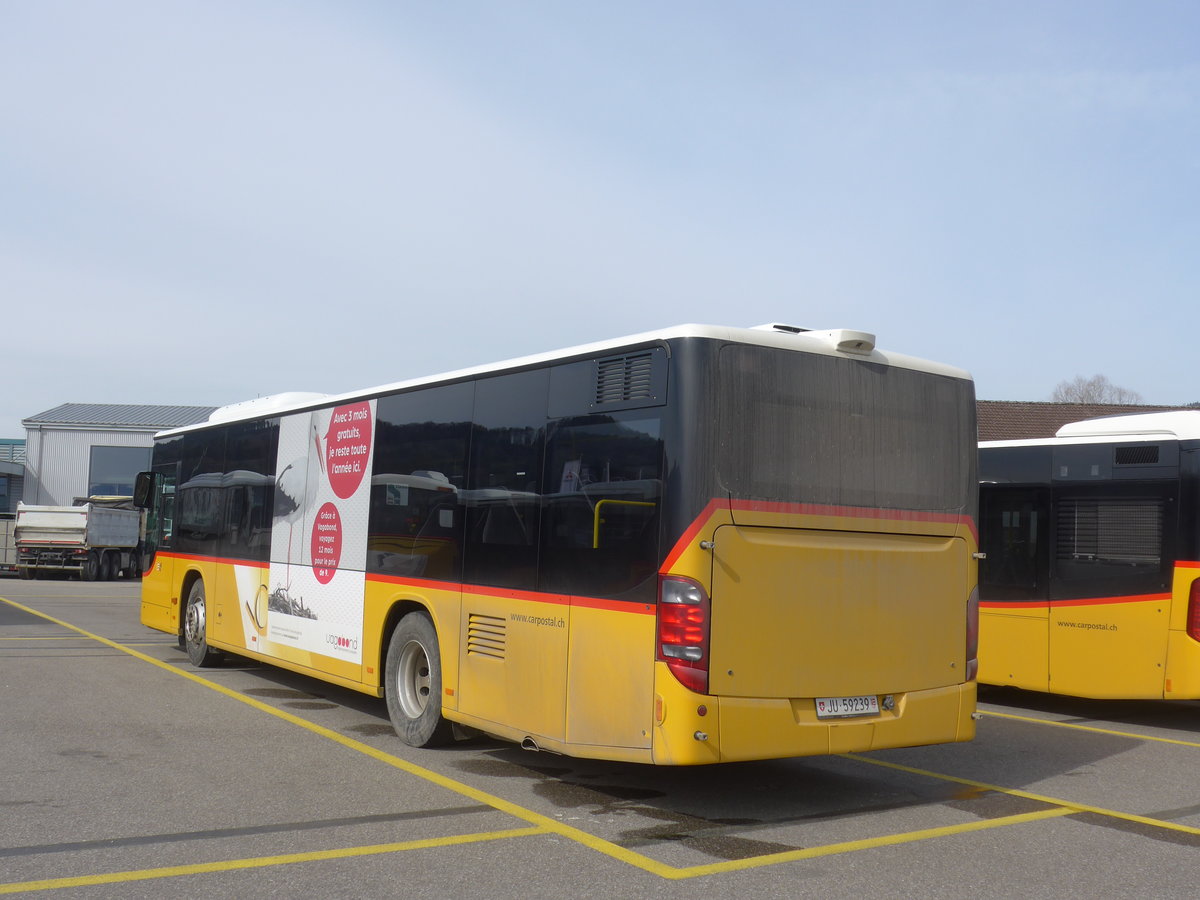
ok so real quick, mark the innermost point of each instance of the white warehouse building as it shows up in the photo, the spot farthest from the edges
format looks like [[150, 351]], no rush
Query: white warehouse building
[[90, 449]]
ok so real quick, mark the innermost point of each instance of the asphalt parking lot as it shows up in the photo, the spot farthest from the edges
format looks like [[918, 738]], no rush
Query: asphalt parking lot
[[126, 773]]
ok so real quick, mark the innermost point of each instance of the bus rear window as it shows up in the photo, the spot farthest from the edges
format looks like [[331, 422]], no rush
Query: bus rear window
[[805, 428]]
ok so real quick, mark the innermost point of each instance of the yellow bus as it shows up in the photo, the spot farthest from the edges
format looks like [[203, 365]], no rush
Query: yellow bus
[[691, 546], [1091, 582]]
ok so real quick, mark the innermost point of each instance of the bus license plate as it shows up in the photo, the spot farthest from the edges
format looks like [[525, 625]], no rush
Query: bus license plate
[[841, 707]]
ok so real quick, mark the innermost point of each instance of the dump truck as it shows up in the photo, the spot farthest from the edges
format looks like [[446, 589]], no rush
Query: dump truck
[[95, 540], [8, 549]]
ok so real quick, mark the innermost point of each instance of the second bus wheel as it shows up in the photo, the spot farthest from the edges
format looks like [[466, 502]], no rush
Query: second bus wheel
[[194, 629], [414, 683]]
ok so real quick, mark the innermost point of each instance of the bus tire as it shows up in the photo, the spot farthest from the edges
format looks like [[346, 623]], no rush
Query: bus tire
[[194, 629], [413, 683]]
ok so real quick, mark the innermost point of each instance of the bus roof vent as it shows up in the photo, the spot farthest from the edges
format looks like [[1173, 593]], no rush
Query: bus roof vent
[[620, 379]]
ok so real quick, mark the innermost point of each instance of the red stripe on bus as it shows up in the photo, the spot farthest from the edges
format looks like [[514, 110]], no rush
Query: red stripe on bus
[[1083, 601], [625, 606], [427, 584], [223, 560], [690, 533], [854, 512], [483, 590], [811, 509]]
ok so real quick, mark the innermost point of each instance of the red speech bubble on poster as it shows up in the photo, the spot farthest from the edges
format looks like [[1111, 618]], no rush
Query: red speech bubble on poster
[[348, 447], [326, 543]]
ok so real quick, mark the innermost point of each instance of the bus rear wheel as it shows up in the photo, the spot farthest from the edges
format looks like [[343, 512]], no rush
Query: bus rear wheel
[[195, 629], [414, 683]]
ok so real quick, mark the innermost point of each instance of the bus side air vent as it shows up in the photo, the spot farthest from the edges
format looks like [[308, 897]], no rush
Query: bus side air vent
[[486, 636], [1136, 456], [620, 379]]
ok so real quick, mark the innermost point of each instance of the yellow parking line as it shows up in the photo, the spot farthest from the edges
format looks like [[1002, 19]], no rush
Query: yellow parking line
[[231, 865], [61, 637], [527, 815], [1029, 795], [888, 840], [545, 824], [1092, 728]]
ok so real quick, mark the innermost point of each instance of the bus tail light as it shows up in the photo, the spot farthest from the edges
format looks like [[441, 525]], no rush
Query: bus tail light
[[1193, 614], [973, 635], [683, 625]]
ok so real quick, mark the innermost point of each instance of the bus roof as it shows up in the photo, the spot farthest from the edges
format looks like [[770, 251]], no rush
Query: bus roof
[[832, 342], [1182, 425]]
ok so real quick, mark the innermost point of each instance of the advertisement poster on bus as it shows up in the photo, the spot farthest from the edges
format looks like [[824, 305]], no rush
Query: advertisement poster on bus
[[314, 596]]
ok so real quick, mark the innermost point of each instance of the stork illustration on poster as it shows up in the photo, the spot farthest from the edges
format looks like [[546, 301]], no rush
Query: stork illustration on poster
[[316, 580]]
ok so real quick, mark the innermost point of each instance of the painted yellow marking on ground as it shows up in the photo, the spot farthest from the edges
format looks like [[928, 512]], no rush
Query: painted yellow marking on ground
[[888, 840], [546, 824], [1093, 728], [231, 865], [527, 815], [61, 637], [1029, 795]]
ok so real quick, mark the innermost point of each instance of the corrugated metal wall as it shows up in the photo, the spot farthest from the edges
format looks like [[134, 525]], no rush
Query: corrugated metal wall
[[57, 460]]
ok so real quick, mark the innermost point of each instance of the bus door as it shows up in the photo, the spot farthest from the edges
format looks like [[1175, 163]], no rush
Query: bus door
[[160, 606], [513, 651], [1111, 571], [1013, 586]]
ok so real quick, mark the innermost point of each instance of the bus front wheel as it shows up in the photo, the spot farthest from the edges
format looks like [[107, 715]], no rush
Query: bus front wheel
[[414, 683], [195, 629]]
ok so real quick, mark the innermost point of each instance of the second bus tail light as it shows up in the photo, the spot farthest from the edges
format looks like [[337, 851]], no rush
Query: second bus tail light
[[973, 635], [1193, 613], [683, 628]]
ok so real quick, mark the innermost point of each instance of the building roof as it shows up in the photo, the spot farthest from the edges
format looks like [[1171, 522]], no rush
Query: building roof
[[117, 415], [1018, 420]]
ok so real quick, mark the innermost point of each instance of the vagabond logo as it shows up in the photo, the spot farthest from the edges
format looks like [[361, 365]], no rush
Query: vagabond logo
[[348, 644]]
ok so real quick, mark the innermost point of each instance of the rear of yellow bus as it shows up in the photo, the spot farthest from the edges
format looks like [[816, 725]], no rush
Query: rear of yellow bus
[[820, 596]]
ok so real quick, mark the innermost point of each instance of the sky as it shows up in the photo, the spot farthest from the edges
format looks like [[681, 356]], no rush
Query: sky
[[202, 203]]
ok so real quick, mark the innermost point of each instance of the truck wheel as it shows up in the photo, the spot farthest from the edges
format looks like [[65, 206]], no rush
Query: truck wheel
[[195, 635], [135, 565], [91, 567], [413, 683], [106, 569], [24, 572]]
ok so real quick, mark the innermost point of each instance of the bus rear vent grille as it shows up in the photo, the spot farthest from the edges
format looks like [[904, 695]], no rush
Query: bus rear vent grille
[[485, 636], [623, 378], [1136, 456]]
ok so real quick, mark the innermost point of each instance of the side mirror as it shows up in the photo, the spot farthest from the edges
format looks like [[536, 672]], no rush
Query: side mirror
[[144, 489]]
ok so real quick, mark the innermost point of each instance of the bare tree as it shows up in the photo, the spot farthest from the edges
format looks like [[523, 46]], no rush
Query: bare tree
[[1097, 389]]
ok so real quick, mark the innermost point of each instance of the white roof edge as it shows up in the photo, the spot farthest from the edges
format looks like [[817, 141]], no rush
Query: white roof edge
[[824, 342], [263, 405], [1180, 425]]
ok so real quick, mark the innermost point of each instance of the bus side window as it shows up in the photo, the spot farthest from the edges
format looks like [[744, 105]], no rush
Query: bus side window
[[1112, 539], [1013, 528], [602, 493], [416, 523], [502, 500]]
